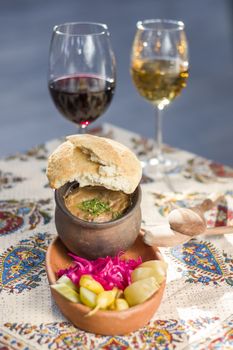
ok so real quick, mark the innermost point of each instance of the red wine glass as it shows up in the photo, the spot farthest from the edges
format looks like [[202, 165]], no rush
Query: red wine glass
[[82, 71]]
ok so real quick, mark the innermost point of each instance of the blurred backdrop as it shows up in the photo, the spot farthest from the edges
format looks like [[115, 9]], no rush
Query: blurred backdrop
[[200, 120]]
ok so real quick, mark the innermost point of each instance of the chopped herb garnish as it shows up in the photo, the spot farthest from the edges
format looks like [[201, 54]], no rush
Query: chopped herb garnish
[[116, 215], [94, 206]]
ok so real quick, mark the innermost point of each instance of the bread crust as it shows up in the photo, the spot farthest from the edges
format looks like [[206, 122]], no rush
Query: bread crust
[[94, 161]]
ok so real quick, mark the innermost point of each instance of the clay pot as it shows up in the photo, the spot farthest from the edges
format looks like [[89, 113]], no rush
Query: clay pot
[[103, 322], [92, 240]]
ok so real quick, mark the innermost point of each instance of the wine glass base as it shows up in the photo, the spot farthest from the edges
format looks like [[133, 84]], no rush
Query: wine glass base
[[159, 167]]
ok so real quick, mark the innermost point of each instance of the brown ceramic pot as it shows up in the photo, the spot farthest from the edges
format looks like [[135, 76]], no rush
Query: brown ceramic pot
[[92, 240], [103, 322]]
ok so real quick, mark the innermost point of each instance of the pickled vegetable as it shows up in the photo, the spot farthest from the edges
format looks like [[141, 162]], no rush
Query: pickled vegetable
[[66, 280], [119, 293], [88, 285], [159, 267], [67, 292], [87, 281], [103, 301], [141, 273], [108, 271], [140, 291], [87, 297], [121, 304]]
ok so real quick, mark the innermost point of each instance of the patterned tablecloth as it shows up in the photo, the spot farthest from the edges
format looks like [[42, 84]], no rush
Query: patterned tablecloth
[[196, 310]]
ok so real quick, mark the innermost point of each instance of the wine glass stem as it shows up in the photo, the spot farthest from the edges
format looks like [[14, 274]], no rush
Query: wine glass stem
[[82, 130], [159, 137]]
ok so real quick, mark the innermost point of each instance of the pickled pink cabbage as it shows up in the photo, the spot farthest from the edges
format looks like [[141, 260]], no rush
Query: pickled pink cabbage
[[110, 271]]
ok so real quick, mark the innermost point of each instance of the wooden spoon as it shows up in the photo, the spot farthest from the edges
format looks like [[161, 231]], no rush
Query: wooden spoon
[[184, 224], [191, 221]]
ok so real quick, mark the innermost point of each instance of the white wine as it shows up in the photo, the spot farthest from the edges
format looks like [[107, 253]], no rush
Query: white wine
[[159, 80]]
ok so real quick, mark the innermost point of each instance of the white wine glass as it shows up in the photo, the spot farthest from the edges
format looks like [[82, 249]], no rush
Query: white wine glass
[[159, 69]]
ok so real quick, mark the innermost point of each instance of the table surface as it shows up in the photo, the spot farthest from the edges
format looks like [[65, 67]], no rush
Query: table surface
[[196, 310]]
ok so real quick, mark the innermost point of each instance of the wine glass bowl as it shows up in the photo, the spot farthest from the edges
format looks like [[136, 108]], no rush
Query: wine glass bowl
[[82, 71], [159, 70]]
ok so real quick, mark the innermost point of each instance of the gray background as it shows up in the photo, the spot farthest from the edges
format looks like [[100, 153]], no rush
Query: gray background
[[200, 120]]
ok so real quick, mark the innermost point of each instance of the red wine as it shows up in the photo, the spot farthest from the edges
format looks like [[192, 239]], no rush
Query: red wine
[[82, 98]]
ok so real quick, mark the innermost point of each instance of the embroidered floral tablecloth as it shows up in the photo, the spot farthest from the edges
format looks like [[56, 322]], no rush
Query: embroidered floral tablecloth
[[196, 310]]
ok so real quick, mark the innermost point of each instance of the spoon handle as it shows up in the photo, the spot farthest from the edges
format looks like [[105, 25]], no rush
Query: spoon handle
[[220, 230]]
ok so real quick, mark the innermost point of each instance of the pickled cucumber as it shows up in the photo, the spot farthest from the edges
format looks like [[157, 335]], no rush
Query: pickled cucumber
[[87, 297], [66, 280], [141, 273], [159, 267], [140, 291], [66, 292]]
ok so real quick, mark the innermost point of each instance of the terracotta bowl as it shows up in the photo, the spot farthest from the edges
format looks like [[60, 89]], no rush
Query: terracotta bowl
[[103, 322], [92, 240]]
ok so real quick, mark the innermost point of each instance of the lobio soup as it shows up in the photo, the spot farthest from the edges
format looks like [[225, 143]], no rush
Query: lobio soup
[[97, 204]]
